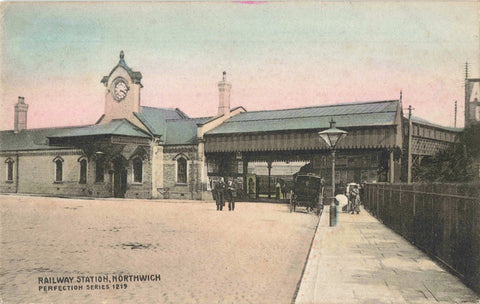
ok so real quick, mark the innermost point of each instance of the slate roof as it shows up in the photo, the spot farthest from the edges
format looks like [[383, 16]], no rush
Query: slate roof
[[358, 114], [155, 118], [182, 131], [115, 127], [174, 126], [418, 120], [28, 140]]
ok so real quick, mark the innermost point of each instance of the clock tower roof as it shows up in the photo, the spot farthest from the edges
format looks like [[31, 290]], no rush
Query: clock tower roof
[[135, 76]]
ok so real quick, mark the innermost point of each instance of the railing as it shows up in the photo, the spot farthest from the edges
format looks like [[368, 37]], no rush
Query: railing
[[443, 220]]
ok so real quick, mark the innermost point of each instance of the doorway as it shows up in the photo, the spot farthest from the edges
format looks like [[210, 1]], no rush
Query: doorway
[[119, 177]]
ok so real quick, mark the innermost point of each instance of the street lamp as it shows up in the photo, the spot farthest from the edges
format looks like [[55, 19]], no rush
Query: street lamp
[[332, 137]]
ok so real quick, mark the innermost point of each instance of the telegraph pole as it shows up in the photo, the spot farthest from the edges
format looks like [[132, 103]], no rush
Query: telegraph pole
[[455, 119], [409, 164]]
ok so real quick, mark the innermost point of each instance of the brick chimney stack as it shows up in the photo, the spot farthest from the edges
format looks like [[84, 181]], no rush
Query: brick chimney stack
[[20, 121], [224, 88]]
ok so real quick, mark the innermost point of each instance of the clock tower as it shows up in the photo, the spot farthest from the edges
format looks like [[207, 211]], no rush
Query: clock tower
[[122, 93]]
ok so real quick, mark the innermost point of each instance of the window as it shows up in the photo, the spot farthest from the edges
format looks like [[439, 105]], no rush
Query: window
[[83, 171], [182, 170], [58, 169], [9, 163], [99, 170], [137, 170]]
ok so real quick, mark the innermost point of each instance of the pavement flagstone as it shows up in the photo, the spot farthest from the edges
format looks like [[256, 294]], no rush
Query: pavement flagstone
[[362, 261]]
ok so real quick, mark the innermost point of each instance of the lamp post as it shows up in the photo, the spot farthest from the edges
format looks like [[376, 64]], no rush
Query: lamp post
[[332, 137]]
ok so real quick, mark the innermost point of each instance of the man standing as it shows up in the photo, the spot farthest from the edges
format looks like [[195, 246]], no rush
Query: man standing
[[219, 190], [355, 200], [277, 190], [232, 193]]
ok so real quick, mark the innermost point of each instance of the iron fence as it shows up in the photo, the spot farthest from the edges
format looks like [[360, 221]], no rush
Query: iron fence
[[443, 220]]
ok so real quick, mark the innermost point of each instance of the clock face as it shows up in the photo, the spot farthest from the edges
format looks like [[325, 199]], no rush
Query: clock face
[[120, 89]]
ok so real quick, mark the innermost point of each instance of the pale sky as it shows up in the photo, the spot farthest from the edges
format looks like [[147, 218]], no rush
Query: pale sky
[[276, 54]]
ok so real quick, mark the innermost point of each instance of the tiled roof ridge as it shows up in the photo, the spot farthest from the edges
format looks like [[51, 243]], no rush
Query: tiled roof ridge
[[124, 120], [297, 117], [121, 122], [158, 108], [188, 118], [144, 121], [329, 105]]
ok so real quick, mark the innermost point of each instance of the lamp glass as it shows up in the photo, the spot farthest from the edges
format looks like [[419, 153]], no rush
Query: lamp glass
[[332, 136]]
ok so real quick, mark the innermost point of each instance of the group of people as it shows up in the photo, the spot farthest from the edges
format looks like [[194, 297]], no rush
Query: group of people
[[224, 191], [355, 197]]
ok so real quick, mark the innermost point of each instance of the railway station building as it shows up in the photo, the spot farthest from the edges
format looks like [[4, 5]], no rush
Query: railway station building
[[135, 151]]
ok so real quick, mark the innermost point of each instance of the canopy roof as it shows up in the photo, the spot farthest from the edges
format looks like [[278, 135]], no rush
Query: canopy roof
[[358, 114], [418, 120]]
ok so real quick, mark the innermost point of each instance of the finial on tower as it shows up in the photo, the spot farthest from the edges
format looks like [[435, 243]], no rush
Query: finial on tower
[[122, 56], [224, 76], [401, 94]]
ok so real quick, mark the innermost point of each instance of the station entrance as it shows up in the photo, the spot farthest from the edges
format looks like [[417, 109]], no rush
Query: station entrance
[[261, 176]]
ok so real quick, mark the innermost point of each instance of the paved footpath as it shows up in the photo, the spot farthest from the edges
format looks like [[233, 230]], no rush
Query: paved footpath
[[362, 261]]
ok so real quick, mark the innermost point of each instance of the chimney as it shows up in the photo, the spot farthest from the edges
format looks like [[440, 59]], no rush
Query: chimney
[[20, 121], [224, 88]]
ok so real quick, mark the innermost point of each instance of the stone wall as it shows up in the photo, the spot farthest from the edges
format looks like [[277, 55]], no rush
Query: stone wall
[[194, 187], [144, 189], [36, 175]]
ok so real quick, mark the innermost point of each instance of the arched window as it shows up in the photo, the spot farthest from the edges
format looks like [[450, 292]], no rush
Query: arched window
[[83, 171], [58, 169], [9, 163], [137, 170], [99, 170], [182, 170]]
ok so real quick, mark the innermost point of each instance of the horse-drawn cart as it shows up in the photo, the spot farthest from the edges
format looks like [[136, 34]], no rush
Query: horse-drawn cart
[[307, 192]]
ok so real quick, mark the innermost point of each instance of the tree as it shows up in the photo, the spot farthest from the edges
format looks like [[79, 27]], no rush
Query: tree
[[458, 163]]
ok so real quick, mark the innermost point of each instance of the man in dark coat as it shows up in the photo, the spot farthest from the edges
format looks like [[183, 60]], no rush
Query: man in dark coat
[[219, 188], [231, 194]]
